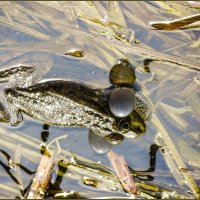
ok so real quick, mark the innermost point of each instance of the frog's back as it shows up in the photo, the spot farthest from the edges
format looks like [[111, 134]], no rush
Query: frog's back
[[76, 92], [61, 103]]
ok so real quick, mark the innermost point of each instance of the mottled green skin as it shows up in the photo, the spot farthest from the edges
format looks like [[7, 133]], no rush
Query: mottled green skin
[[65, 103]]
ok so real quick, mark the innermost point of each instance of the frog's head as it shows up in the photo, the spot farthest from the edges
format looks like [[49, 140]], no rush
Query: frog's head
[[121, 104], [129, 127]]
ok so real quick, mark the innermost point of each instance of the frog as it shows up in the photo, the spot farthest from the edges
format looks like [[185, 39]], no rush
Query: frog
[[67, 104]]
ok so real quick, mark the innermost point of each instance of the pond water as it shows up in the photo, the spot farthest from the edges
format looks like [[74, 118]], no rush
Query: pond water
[[40, 33]]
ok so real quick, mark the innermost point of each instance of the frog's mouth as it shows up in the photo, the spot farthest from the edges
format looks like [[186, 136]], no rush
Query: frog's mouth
[[130, 134], [116, 138]]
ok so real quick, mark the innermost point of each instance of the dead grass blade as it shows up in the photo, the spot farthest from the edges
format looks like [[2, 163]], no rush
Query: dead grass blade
[[120, 166], [43, 175], [175, 24]]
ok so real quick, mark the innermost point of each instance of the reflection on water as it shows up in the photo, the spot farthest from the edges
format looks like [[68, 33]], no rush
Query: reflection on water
[[98, 143], [45, 133]]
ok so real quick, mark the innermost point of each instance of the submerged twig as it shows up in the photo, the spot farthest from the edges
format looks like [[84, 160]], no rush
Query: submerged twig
[[44, 171], [138, 49], [13, 168], [93, 165], [159, 190], [42, 176], [56, 140]]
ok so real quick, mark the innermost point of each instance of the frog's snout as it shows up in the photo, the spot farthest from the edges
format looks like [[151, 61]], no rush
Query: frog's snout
[[140, 129]]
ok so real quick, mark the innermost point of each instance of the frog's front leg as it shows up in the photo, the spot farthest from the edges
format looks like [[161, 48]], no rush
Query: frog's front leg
[[13, 116], [9, 113], [16, 115]]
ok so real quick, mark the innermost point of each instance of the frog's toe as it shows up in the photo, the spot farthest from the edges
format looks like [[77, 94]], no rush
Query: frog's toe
[[4, 115], [17, 119], [16, 115]]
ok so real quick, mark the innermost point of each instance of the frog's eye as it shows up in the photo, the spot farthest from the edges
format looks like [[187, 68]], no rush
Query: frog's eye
[[124, 125]]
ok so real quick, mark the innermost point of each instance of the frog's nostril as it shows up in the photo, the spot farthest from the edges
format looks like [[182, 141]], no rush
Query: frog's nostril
[[140, 130]]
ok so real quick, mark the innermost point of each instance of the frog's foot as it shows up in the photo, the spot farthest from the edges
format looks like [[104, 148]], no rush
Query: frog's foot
[[4, 115], [16, 116], [16, 74]]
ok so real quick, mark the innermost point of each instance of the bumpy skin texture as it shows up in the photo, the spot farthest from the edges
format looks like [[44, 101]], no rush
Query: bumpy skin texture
[[66, 103], [60, 103]]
